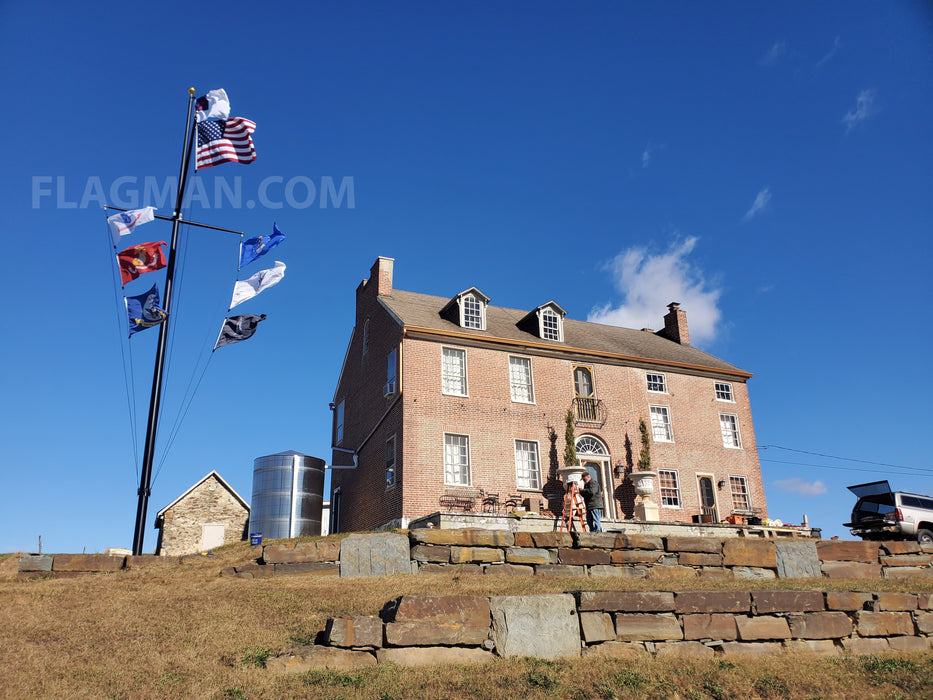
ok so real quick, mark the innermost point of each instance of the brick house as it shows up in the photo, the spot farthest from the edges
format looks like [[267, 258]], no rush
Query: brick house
[[207, 515], [440, 399]]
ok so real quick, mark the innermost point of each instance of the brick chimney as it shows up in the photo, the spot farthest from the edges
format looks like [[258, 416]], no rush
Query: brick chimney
[[675, 325], [381, 272]]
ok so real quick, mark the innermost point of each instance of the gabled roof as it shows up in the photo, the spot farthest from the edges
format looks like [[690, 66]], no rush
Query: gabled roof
[[422, 312], [206, 477]]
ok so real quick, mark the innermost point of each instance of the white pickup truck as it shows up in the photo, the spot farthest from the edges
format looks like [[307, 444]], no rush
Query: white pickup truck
[[883, 514]]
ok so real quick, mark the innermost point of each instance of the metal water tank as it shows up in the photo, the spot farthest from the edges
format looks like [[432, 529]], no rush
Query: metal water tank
[[288, 495]]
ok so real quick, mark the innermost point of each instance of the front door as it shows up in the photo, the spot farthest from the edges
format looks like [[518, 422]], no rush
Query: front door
[[595, 470], [708, 499]]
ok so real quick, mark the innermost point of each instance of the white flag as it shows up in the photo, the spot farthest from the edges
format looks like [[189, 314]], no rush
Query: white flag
[[214, 105], [248, 288], [124, 222]]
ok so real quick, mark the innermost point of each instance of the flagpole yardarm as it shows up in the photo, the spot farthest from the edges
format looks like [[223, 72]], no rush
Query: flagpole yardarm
[[156, 395], [184, 221]]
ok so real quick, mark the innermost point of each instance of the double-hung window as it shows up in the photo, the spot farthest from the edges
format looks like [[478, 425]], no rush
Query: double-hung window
[[390, 462], [729, 426], [657, 383], [740, 499], [457, 460], [661, 430], [520, 381], [669, 488], [527, 466], [453, 372], [724, 391]]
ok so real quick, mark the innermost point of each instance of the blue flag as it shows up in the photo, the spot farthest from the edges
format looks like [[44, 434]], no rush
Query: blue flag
[[144, 310], [257, 247]]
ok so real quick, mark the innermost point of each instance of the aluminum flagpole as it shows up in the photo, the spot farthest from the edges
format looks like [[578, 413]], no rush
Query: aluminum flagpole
[[156, 395]]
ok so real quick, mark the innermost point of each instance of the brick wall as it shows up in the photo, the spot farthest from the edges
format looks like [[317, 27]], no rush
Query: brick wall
[[421, 415]]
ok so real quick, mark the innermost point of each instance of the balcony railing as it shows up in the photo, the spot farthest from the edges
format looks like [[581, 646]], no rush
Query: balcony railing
[[589, 411]]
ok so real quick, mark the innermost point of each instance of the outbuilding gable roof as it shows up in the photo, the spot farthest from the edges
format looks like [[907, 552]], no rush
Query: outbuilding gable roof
[[207, 476], [423, 312]]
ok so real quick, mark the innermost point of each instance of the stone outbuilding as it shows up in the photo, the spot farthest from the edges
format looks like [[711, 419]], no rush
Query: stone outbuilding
[[207, 515]]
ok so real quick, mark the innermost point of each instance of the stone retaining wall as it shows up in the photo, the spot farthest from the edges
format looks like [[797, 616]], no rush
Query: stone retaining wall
[[423, 629], [480, 551]]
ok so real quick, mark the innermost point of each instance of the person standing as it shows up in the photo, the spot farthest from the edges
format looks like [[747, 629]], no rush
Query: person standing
[[593, 498]]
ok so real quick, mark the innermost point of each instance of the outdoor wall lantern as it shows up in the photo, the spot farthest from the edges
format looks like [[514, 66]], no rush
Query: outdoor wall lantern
[[721, 484]]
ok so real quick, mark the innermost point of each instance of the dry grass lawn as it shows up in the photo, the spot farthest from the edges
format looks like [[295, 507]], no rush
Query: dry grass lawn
[[181, 631]]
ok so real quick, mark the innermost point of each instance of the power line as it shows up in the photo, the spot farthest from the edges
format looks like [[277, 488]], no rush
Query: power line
[[847, 469], [847, 459]]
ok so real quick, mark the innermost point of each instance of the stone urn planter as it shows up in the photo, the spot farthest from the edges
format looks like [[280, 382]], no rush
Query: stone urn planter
[[646, 509], [574, 473], [644, 483]]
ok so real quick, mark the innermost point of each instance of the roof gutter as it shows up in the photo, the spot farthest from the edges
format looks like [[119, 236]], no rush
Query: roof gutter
[[419, 332]]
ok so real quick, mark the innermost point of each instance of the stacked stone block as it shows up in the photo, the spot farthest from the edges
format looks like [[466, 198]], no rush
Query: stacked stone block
[[424, 629]]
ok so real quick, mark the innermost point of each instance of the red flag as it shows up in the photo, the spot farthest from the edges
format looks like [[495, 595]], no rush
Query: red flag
[[137, 259]]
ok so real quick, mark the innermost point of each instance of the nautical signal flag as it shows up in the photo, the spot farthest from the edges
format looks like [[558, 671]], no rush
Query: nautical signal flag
[[221, 139], [237, 328], [254, 248], [144, 310], [124, 222], [262, 280], [138, 259]]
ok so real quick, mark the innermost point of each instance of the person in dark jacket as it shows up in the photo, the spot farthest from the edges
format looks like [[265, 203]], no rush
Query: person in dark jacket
[[593, 498]]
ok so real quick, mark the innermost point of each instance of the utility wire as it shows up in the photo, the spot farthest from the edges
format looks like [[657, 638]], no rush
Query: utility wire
[[847, 459], [847, 469]]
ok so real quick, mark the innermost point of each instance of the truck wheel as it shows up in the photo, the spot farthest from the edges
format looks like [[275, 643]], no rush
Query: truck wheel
[[924, 537]]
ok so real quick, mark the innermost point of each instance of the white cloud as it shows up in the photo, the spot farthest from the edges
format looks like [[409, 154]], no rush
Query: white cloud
[[649, 283], [772, 55], [646, 156], [864, 108], [837, 44], [759, 205], [801, 487]]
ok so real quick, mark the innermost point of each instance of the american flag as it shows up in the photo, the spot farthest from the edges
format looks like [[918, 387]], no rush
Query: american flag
[[225, 140]]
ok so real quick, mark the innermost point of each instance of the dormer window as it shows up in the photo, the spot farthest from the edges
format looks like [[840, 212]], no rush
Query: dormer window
[[467, 309], [550, 325], [546, 322], [471, 312]]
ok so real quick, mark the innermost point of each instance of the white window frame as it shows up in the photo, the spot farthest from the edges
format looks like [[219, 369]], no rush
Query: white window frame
[[544, 329], [659, 379], [676, 489], [740, 479], [338, 422], [460, 467], [529, 385], [391, 464], [728, 390], [480, 316], [445, 376], [731, 436], [665, 423], [528, 474]]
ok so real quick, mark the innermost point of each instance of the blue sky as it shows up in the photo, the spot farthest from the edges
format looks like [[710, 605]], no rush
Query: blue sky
[[766, 165]]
